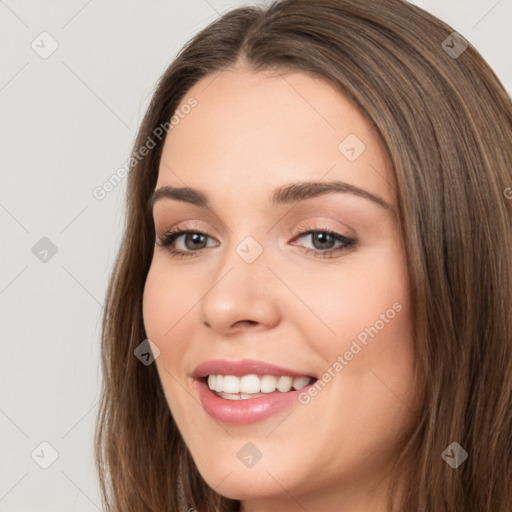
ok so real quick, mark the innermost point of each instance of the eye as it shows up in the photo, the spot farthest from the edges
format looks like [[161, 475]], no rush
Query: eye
[[325, 241], [193, 241]]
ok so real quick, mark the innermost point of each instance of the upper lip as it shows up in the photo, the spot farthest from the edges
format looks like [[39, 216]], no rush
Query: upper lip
[[243, 367]]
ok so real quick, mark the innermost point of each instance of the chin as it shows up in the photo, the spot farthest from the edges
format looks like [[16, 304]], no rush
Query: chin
[[247, 483]]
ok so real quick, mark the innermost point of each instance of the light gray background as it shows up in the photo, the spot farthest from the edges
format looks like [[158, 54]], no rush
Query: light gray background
[[67, 124]]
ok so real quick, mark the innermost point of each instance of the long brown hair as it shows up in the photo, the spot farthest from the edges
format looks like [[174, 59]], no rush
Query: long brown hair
[[445, 121]]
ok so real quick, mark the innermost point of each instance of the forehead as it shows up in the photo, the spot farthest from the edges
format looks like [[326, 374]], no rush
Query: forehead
[[250, 129]]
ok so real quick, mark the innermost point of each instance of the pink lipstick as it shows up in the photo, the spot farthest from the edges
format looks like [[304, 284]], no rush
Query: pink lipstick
[[246, 391]]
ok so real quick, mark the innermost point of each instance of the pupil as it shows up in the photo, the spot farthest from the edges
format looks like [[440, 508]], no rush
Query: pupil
[[196, 237], [324, 238]]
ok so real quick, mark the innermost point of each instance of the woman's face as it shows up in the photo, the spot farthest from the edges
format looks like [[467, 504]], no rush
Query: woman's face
[[260, 295]]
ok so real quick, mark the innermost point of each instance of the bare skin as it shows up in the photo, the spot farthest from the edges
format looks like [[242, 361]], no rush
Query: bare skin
[[249, 134]]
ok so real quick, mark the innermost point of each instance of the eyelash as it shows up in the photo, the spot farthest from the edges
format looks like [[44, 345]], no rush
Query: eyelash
[[170, 236]]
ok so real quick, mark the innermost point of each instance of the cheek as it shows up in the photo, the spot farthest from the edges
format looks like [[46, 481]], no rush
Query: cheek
[[164, 313], [362, 313], [165, 321], [375, 338], [167, 300], [155, 303], [352, 301]]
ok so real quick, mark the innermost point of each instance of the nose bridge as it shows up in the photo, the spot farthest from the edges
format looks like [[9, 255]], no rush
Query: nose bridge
[[241, 289]]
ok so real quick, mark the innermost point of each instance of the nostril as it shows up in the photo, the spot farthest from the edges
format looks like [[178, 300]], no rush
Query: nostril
[[249, 322]]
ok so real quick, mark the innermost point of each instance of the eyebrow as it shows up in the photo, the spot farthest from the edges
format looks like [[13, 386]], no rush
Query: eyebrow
[[286, 194]]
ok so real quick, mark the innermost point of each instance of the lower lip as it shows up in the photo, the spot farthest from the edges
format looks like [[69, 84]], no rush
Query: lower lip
[[248, 410]]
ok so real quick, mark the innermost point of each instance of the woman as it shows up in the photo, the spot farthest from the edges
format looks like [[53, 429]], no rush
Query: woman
[[311, 307]]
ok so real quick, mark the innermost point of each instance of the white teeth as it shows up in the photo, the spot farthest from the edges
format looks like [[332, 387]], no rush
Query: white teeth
[[231, 384], [250, 386], [301, 382], [268, 384], [284, 384], [239, 396], [219, 383]]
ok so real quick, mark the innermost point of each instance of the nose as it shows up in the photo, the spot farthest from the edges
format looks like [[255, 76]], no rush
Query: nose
[[240, 295]]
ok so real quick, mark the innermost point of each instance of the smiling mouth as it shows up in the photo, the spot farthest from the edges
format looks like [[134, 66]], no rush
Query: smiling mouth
[[231, 387]]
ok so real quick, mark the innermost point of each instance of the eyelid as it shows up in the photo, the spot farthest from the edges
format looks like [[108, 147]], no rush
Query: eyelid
[[172, 234], [184, 226], [303, 229], [321, 225]]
